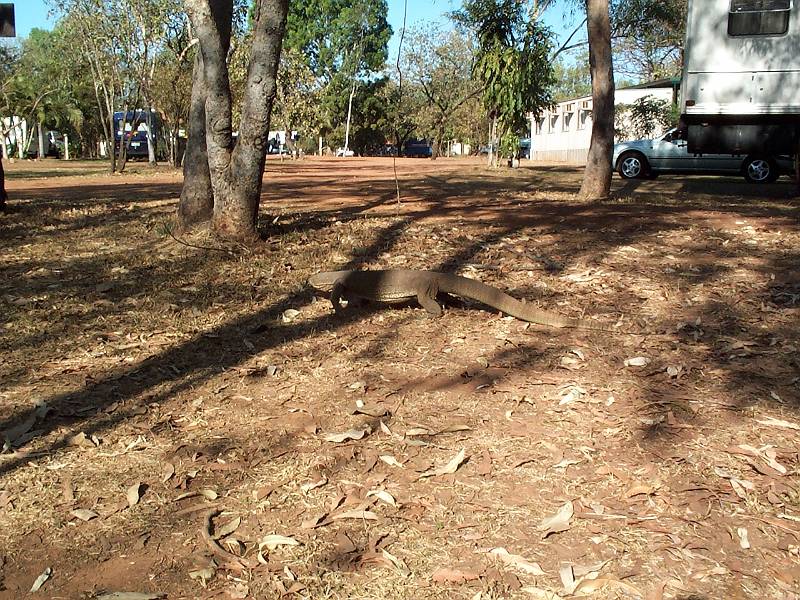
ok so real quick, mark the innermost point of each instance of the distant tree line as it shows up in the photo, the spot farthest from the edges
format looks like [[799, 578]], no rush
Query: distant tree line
[[474, 81]]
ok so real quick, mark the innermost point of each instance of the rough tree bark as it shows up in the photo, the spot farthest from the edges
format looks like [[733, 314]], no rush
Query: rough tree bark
[[197, 199], [597, 176], [237, 169]]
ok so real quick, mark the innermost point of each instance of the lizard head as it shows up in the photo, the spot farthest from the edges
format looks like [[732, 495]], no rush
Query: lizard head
[[325, 281]]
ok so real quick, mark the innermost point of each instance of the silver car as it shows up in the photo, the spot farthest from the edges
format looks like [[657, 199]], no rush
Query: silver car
[[669, 154]]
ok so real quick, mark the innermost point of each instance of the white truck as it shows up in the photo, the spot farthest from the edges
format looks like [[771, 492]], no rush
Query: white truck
[[740, 90]]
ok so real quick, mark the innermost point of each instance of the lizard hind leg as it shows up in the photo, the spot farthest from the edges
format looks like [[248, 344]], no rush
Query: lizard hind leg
[[427, 299]]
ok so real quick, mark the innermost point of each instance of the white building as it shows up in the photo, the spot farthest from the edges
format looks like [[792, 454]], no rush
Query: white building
[[564, 133]]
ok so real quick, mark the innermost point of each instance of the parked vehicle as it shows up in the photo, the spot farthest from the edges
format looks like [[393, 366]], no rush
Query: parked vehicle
[[670, 154], [740, 77], [417, 149], [53, 145], [525, 147], [343, 152], [136, 123]]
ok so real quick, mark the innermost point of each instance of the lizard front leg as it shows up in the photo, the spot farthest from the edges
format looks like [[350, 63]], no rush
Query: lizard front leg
[[337, 291]]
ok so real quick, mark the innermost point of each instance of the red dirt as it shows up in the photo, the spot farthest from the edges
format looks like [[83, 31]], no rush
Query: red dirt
[[183, 358]]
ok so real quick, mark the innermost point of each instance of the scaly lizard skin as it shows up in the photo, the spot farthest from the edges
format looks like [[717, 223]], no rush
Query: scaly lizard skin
[[401, 285]]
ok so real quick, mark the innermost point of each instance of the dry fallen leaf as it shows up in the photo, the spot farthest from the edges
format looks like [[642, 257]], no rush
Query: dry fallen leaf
[[559, 521], [203, 574], [167, 472], [396, 562], [239, 591], [81, 440], [772, 422], [418, 431], [289, 315], [637, 361], [744, 542], [228, 528], [274, 540], [130, 596], [454, 575], [540, 594], [449, 468], [588, 587], [209, 494], [40, 580], [567, 578], [572, 395], [312, 485], [391, 460], [765, 453], [134, 494], [641, 489], [84, 514], [517, 561], [350, 434], [355, 514], [384, 496]]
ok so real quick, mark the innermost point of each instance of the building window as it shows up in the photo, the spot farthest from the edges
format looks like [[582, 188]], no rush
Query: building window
[[553, 123], [567, 121], [583, 117], [759, 17], [539, 125]]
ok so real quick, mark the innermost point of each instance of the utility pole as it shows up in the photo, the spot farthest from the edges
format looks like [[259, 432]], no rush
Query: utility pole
[[7, 29]]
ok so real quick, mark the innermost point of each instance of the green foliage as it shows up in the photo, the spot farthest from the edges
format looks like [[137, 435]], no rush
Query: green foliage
[[371, 125], [297, 103], [649, 37], [513, 61], [509, 144], [644, 117], [48, 84], [339, 34], [120, 43], [340, 40], [437, 66], [572, 79]]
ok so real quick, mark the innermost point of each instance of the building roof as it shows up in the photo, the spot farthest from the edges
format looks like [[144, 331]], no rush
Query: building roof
[[667, 82]]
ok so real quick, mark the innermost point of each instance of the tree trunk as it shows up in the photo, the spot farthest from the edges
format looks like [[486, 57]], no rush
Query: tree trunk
[[3, 195], [151, 139], [110, 134], [40, 133], [492, 145], [197, 200], [597, 176], [19, 134], [122, 159], [237, 171], [349, 116]]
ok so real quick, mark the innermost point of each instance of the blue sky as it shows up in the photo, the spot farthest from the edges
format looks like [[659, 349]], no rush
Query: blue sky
[[34, 13], [30, 14]]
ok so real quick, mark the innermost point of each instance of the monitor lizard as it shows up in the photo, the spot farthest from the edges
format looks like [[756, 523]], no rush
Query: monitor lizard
[[401, 285]]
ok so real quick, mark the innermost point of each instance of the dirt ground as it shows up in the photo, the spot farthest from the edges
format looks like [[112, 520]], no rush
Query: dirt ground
[[186, 418]]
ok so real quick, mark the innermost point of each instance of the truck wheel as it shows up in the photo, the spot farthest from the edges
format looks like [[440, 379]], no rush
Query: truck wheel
[[633, 165], [760, 169]]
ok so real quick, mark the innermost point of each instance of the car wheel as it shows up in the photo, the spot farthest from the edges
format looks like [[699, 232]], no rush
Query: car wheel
[[760, 169], [633, 165]]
